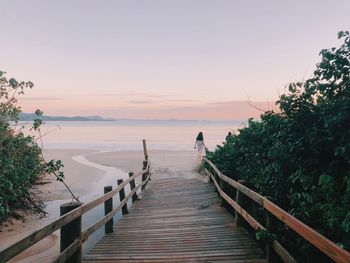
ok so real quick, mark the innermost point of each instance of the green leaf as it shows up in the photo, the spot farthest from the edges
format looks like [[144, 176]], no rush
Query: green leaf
[[324, 179], [339, 151], [13, 82], [39, 112]]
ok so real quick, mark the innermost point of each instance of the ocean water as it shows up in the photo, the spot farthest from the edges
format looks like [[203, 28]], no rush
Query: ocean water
[[118, 136], [128, 134]]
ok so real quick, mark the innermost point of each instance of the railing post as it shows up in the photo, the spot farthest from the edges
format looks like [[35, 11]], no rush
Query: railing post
[[208, 174], [121, 198], [70, 231], [271, 227], [346, 239], [108, 208], [240, 200], [132, 187], [145, 149], [221, 183], [144, 174], [216, 178]]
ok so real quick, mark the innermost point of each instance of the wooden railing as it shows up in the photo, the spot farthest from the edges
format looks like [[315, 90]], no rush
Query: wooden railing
[[273, 249], [72, 236]]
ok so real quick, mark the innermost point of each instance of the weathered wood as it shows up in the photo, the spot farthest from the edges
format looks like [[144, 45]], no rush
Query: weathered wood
[[222, 186], [271, 227], [108, 205], [102, 199], [91, 229], [208, 174], [38, 235], [178, 220], [323, 244], [132, 187], [241, 200], [145, 166], [177, 260], [19, 246], [245, 190], [145, 153], [282, 252], [66, 254], [144, 172], [70, 232], [246, 217], [121, 198], [346, 238]]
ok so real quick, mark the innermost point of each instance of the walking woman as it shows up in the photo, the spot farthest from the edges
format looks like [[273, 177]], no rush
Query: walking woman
[[200, 145]]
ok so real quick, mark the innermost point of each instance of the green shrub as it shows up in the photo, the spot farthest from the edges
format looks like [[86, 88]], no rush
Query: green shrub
[[300, 156], [21, 161]]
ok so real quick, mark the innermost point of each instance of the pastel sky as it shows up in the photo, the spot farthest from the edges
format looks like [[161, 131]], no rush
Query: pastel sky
[[161, 59]]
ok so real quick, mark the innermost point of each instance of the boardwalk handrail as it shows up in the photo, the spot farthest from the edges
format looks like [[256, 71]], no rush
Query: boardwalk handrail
[[26, 242], [325, 245]]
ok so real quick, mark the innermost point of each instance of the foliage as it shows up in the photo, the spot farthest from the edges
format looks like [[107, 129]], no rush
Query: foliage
[[21, 160], [300, 156]]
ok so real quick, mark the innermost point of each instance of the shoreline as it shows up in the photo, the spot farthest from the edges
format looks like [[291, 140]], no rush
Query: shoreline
[[86, 172]]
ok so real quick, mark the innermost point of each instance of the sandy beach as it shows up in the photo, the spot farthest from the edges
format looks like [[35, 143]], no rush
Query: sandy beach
[[86, 171], [181, 162]]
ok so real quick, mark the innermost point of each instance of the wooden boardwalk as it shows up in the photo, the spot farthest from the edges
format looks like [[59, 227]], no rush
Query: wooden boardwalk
[[179, 219]]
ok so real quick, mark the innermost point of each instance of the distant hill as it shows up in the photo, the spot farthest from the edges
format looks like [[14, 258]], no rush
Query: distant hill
[[32, 116]]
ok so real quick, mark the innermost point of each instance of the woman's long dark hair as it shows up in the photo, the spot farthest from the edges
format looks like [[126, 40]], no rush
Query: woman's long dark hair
[[200, 136]]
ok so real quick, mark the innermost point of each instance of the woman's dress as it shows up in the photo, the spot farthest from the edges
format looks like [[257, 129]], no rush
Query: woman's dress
[[200, 146]]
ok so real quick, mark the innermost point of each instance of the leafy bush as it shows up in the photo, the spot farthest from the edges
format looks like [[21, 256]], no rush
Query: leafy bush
[[21, 160], [300, 156]]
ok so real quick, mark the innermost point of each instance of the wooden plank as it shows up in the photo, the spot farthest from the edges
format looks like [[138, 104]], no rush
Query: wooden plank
[[279, 249], [145, 153], [282, 252], [322, 243], [69, 251], [175, 223], [20, 246], [109, 195], [253, 223], [251, 220], [183, 256], [218, 259], [36, 236], [243, 189], [91, 229]]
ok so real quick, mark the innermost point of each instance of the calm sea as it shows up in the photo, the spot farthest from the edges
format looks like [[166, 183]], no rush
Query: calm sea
[[128, 134], [124, 135]]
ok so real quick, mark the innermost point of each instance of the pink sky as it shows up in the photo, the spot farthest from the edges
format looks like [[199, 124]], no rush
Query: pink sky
[[184, 59]]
